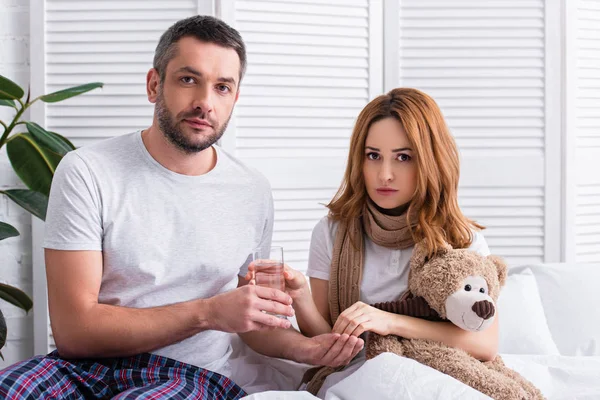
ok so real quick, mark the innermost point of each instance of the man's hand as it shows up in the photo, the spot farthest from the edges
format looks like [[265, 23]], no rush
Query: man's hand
[[295, 282], [329, 349], [241, 310], [361, 317]]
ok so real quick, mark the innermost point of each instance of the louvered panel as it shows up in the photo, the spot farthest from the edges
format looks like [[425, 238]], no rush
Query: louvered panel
[[483, 62], [108, 41], [297, 212], [513, 217], [307, 79], [111, 42], [587, 128], [587, 222]]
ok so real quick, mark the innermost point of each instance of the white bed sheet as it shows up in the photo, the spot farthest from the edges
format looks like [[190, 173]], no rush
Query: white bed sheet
[[391, 377]]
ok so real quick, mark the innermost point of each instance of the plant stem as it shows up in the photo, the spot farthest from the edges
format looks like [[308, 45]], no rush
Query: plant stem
[[4, 125], [14, 122]]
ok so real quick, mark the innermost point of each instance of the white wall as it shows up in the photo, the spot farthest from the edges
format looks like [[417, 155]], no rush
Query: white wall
[[15, 253]]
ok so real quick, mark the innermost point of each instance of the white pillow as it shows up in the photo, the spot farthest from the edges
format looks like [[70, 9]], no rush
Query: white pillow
[[570, 296], [523, 325]]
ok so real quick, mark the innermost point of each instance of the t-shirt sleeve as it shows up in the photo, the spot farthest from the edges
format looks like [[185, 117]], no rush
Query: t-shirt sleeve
[[73, 219], [321, 249], [267, 232], [479, 244]]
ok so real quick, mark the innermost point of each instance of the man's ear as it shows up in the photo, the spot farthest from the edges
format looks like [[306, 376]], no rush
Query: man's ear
[[501, 268], [152, 85]]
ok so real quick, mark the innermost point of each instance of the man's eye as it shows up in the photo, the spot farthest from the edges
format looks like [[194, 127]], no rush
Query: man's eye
[[223, 88], [373, 156], [187, 79]]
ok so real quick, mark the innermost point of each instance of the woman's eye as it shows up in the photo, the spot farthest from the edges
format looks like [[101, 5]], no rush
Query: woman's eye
[[373, 156], [403, 157]]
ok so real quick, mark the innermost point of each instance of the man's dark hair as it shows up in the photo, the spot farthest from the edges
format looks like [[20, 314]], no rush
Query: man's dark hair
[[205, 28]]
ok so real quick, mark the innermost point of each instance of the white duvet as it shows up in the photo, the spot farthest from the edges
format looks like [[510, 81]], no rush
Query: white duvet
[[391, 377]]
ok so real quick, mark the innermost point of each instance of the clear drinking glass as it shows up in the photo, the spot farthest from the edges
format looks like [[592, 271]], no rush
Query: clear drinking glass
[[268, 263]]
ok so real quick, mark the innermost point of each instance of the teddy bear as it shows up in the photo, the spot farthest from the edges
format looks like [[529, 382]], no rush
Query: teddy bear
[[461, 286]]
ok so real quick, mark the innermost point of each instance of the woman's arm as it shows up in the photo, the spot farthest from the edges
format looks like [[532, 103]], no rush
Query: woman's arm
[[312, 312], [481, 345], [362, 317]]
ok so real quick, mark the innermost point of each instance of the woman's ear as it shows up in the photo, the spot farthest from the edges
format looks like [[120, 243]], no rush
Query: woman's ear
[[501, 268]]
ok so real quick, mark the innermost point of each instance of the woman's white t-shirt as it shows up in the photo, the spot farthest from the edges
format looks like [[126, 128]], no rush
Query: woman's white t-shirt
[[384, 278]]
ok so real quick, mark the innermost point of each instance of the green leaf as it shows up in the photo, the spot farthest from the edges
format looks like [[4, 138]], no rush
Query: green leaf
[[7, 231], [34, 164], [70, 92], [50, 140], [2, 332], [63, 139], [34, 202], [15, 296], [7, 103], [9, 90]]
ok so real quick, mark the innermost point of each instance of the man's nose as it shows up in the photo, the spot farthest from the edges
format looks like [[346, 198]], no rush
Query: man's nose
[[203, 100]]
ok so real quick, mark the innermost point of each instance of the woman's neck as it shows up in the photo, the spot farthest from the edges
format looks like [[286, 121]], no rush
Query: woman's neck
[[393, 212]]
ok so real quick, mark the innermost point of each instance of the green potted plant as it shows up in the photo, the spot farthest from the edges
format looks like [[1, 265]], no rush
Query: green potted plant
[[34, 154]]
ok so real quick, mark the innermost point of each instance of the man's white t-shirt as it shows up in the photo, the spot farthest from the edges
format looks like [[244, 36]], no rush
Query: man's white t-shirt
[[165, 237]]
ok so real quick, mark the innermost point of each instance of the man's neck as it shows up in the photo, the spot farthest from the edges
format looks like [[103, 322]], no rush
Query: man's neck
[[174, 159]]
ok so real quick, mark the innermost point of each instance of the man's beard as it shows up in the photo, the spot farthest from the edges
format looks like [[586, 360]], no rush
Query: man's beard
[[172, 129]]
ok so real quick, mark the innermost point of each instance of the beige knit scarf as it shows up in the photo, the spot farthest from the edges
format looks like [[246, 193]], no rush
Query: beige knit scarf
[[347, 265]]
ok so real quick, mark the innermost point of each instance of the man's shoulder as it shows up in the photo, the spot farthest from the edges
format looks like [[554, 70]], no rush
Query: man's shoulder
[[244, 172], [110, 147]]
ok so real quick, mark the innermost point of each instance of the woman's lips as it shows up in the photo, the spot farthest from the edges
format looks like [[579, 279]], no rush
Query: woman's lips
[[386, 191]]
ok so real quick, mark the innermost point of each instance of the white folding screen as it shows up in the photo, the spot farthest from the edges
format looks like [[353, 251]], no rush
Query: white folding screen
[[311, 69], [582, 134], [493, 66], [483, 61]]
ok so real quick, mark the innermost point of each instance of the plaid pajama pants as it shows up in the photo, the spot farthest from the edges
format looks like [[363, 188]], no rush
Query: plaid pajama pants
[[145, 376]]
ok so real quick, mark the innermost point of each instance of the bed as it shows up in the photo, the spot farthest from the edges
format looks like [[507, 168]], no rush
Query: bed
[[549, 332]]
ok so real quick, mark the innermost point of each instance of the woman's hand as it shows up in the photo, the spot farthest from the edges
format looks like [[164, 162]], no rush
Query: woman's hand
[[295, 282], [361, 317]]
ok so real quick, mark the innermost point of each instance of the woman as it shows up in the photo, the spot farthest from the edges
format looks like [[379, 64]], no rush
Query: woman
[[400, 186]]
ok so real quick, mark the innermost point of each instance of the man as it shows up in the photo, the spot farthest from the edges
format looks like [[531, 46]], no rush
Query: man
[[148, 237]]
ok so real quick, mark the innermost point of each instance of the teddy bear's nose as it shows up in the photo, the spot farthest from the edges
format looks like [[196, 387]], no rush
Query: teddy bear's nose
[[484, 309]]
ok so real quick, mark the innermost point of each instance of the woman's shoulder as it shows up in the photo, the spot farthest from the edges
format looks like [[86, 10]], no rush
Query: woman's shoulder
[[326, 227]]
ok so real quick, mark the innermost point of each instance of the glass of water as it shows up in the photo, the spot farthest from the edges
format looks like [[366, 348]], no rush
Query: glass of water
[[268, 264]]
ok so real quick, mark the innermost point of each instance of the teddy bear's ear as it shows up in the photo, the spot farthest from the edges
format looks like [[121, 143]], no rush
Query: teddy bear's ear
[[500, 267], [420, 254]]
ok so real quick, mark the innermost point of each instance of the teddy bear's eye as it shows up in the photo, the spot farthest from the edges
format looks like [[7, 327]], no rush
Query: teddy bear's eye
[[482, 290], [468, 288]]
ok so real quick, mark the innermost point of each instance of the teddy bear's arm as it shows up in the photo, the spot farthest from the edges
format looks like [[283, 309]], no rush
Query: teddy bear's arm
[[410, 306]]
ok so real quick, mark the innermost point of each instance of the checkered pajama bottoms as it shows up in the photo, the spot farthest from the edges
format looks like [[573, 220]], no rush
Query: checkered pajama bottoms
[[145, 376]]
